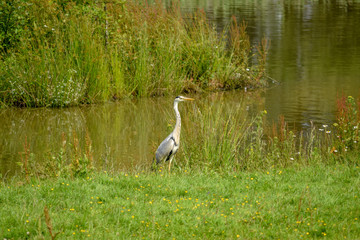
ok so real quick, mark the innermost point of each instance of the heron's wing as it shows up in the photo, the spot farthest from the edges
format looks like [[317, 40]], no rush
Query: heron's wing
[[165, 149]]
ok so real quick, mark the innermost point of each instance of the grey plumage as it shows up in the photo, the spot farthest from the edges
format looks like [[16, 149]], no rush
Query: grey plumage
[[168, 148]]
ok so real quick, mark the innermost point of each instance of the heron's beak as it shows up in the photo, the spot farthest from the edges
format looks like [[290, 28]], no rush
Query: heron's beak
[[188, 99]]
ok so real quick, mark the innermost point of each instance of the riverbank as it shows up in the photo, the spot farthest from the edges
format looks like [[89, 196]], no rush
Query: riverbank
[[286, 203], [66, 54], [226, 183]]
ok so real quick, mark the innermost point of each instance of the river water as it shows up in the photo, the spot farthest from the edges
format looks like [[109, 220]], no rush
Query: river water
[[314, 54]]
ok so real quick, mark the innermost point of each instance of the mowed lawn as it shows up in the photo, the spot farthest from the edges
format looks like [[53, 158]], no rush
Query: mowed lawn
[[308, 202]]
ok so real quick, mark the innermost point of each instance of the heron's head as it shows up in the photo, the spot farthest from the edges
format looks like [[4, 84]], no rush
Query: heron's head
[[181, 99]]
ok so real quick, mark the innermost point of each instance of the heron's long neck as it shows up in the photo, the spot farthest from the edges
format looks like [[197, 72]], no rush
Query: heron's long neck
[[178, 122]]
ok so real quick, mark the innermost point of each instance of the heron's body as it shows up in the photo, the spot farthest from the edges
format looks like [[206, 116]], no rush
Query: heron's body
[[170, 145]]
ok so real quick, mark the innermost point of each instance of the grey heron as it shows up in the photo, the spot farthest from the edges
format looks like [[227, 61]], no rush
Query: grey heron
[[168, 148]]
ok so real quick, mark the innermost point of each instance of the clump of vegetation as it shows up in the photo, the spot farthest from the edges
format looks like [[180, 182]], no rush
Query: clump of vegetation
[[63, 53], [229, 142], [347, 125]]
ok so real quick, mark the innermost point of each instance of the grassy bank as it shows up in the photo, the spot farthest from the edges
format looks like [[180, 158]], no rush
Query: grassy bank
[[312, 203], [235, 178], [63, 53]]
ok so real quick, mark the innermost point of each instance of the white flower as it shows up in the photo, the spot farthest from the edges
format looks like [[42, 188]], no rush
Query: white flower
[[325, 126], [321, 129]]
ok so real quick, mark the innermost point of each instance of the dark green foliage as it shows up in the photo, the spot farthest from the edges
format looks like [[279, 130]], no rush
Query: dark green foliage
[[63, 53]]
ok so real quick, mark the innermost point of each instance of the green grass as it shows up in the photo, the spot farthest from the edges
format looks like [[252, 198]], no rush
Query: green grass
[[311, 202], [232, 180], [57, 54]]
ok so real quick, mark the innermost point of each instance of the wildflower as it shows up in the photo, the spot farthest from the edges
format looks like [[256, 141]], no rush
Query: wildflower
[[325, 126], [328, 132], [321, 129]]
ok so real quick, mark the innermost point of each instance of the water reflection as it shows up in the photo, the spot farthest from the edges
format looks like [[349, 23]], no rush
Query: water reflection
[[315, 54], [123, 134]]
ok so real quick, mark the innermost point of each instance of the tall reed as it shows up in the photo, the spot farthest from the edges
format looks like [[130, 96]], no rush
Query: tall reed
[[236, 141], [71, 53]]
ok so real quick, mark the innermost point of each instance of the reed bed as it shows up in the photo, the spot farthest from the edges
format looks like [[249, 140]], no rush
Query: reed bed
[[219, 139], [57, 53], [231, 140]]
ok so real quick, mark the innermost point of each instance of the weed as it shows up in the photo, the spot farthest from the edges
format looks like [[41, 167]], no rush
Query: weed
[[347, 124], [49, 224], [25, 159]]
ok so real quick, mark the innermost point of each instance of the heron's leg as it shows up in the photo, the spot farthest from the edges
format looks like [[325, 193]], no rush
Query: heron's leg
[[170, 161]]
